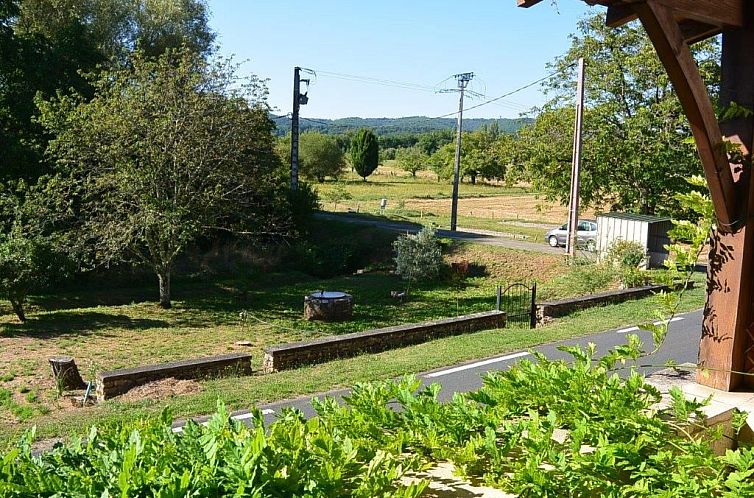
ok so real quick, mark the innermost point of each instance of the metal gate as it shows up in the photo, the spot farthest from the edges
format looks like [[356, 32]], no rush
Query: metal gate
[[519, 300]]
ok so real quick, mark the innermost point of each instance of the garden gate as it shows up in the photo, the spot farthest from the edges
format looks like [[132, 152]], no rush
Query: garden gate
[[519, 301]]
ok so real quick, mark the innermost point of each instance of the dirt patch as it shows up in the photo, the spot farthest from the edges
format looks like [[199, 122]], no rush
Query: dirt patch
[[161, 389]]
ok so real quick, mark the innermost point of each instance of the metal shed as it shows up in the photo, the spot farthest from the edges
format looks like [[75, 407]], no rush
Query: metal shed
[[649, 231]]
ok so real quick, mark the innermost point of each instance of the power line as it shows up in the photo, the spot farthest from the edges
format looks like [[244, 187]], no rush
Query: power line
[[490, 101], [377, 81]]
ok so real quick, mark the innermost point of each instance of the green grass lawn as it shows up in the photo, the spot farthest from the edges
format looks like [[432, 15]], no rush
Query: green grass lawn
[[515, 210], [122, 329], [105, 325]]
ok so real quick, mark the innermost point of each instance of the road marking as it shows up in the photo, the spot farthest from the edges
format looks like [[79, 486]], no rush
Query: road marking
[[633, 329], [475, 365], [626, 331], [244, 416]]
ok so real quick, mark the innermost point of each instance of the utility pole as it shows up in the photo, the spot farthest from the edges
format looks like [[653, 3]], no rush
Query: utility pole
[[463, 81], [299, 99], [294, 128], [573, 210]]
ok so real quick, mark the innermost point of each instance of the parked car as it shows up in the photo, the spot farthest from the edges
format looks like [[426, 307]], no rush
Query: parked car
[[586, 235]]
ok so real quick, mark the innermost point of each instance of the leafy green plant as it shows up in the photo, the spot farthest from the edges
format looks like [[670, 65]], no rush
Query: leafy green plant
[[626, 254], [293, 457], [336, 194], [544, 428], [418, 257], [26, 264]]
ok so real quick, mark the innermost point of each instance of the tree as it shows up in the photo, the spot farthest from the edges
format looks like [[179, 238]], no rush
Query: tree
[[365, 153], [26, 264], [320, 156], [430, 142], [167, 150], [412, 159], [635, 155], [118, 27], [46, 46]]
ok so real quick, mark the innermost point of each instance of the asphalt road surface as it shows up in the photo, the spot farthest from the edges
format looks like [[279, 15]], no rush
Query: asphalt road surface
[[681, 345], [466, 234]]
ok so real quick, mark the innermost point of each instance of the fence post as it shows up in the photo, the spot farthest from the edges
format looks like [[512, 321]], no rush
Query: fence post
[[533, 322], [499, 297]]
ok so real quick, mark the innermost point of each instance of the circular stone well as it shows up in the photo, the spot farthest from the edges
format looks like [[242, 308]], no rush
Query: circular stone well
[[328, 306]]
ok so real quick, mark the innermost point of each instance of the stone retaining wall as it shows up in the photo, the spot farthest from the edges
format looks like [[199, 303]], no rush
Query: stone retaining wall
[[286, 356], [117, 382], [562, 307]]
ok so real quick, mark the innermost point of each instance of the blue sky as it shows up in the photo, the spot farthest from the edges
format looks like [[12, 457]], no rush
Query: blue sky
[[419, 42]]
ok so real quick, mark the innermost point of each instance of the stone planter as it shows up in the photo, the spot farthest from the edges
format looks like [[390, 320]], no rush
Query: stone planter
[[328, 306]]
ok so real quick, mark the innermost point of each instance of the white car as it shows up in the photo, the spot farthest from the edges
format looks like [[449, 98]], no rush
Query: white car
[[586, 235]]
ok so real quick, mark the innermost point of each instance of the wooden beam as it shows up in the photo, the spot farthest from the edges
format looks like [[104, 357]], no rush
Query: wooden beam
[[694, 31], [618, 15], [666, 35], [527, 3], [729, 13]]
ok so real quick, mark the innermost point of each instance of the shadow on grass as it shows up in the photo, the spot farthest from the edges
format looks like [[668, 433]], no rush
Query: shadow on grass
[[51, 325]]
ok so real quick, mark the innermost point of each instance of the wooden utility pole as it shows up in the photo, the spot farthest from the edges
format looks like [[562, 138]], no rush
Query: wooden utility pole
[[294, 127], [573, 210], [463, 81]]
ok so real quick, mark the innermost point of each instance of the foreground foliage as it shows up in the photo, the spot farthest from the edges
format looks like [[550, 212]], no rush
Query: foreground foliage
[[548, 428]]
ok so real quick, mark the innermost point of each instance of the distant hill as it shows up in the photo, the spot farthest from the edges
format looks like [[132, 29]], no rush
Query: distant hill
[[396, 126]]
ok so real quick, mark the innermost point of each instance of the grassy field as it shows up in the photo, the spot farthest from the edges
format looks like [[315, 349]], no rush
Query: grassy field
[[514, 210], [108, 328]]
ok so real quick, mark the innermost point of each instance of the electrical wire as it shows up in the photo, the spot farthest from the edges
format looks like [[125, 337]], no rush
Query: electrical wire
[[377, 81], [496, 99]]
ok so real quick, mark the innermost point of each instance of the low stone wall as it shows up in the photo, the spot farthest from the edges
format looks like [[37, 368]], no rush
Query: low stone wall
[[117, 382], [562, 307], [286, 356]]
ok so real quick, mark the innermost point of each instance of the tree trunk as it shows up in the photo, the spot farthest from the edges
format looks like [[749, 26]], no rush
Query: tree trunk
[[163, 276], [66, 373], [18, 309]]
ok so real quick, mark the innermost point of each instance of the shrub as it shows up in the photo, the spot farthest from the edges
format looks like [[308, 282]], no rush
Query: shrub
[[626, 254], [325, 260], [628, 257], [302, 204], [418, 257], [26, 264]]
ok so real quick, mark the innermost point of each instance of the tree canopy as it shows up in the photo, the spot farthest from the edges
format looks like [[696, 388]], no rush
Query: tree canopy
[[166, 150], [47, 46], [636, 152]]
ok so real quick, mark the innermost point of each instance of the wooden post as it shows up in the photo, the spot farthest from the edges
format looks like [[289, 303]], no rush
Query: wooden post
[[726, 344]]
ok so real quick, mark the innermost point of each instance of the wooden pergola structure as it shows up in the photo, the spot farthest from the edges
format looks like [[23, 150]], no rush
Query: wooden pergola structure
[[726, 352]]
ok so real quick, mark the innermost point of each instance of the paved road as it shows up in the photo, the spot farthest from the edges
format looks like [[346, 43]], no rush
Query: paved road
[[681, 345], [466, 234]]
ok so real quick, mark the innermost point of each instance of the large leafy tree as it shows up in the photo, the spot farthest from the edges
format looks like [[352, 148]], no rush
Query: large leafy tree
[[635, 154], [46, 46], [412, 159], [320, 156], [167, 149], [365, 153]]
